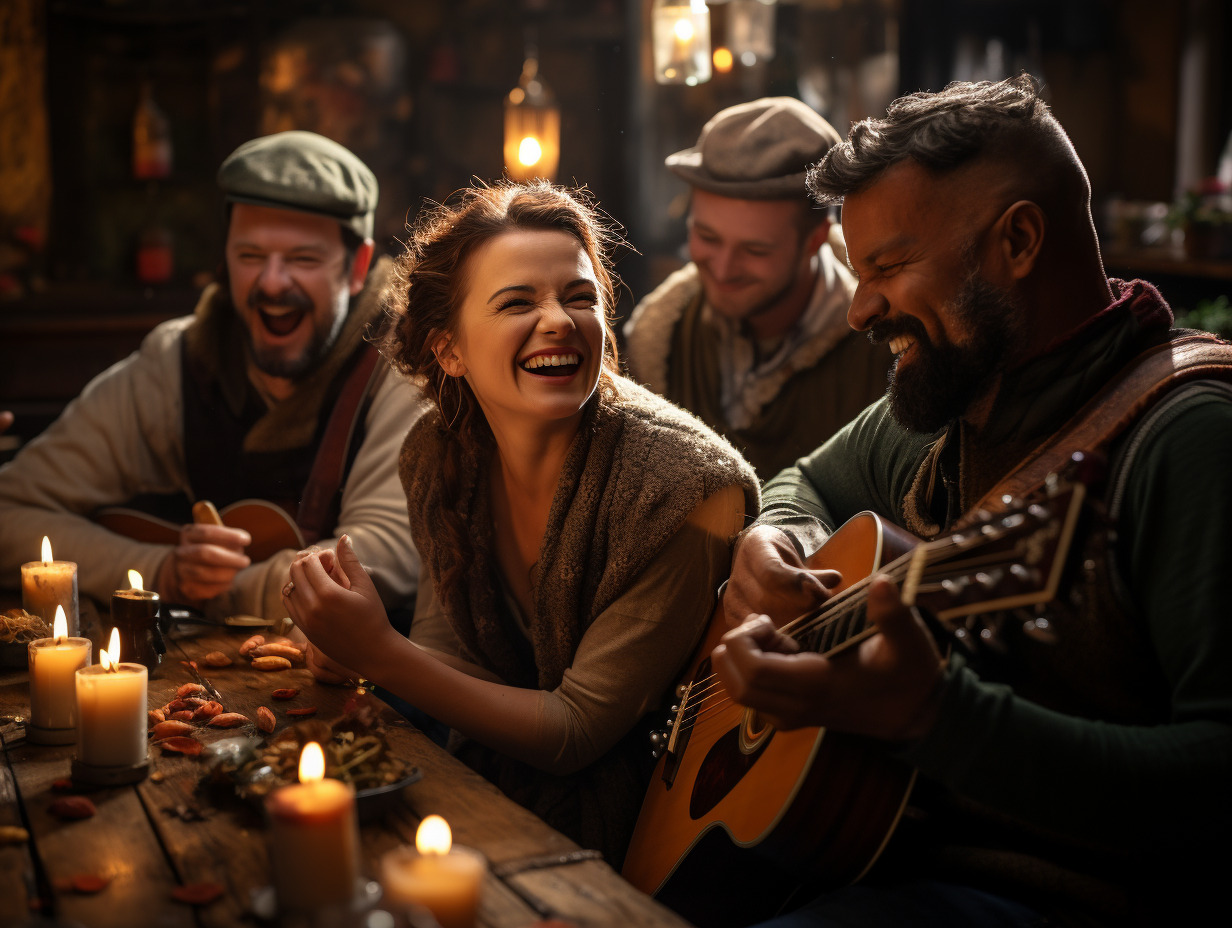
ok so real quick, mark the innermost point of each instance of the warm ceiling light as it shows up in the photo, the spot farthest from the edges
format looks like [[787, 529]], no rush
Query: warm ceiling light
[[532, 127], [680, 33]]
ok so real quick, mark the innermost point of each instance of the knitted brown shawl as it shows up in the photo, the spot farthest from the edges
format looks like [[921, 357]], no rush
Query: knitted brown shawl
[[637, 467]]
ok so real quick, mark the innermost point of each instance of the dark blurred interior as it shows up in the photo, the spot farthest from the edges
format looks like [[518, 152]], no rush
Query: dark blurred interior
[[102, 237]]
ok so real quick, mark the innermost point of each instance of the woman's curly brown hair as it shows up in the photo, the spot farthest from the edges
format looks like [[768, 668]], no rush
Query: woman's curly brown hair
[[428, 285]]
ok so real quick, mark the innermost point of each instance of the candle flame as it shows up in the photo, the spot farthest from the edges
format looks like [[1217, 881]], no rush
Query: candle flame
[[59, 627], [46, 550], [311, 763], [135, 581], [109, 656], [683, 30], [433, 836]]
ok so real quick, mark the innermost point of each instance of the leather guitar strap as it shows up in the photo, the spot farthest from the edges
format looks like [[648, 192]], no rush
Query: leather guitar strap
[[1134, 390], [315, 514]]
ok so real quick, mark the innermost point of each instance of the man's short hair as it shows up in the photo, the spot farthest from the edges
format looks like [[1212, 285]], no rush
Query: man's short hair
[[943, 131], [759, 150], [304, 172]]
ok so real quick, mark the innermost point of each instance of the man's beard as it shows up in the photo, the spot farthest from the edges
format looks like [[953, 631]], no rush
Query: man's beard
[[943, 380], [275, 362]]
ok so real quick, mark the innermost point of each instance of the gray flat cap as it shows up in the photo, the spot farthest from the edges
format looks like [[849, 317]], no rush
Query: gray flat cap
[[756, 151], [305, 172]]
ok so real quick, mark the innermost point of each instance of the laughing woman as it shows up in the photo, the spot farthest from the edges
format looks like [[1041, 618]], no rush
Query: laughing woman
[[572, 525]]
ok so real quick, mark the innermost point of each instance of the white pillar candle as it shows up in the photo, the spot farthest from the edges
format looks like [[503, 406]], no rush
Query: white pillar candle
[[54, 663], [314, 839], [111, 711], [442, 878], [49, 583]]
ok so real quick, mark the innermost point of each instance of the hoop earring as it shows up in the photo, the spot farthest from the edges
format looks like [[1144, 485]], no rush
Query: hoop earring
[[440, 402]]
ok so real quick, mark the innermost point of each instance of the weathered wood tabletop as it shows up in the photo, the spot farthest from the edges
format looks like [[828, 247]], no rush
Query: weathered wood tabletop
[[169, 831]]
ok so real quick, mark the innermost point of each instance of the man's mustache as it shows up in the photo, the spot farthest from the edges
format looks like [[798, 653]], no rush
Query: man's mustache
[[259, 299], [881, 332]]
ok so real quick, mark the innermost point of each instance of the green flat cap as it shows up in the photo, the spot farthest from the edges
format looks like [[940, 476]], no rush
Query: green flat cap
[[758, 150], [305, 172]]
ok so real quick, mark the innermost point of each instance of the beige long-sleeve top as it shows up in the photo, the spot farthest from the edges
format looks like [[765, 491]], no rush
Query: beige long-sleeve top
[[632, 653], [123, 436]]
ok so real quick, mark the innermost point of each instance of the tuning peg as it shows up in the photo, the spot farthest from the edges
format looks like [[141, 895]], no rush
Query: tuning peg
[[1009, 501], [681, 689], [658, 743], [963, 639], [989, 579], [675, 710]]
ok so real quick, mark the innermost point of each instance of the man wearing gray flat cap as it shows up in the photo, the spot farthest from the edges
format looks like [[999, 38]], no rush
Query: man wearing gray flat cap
[[752, 335], [269, 392]]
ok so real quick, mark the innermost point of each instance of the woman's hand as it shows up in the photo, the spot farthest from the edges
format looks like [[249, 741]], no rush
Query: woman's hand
[[333, 601]]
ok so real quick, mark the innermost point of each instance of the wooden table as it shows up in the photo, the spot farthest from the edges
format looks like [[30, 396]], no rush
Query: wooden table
[[167, 831]]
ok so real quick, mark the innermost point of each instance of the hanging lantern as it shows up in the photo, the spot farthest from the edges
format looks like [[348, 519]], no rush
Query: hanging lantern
[[680, 31], [750, 30], [532, 127]]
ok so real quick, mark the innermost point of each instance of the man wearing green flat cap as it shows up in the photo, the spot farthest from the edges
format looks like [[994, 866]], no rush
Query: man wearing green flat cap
[[269, 391]]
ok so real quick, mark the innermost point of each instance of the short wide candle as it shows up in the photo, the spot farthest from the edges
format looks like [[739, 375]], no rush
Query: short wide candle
[[314, 839], [111, 712], [446, 883], [54, 663]]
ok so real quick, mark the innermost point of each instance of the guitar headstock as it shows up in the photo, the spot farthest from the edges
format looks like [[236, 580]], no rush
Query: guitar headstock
[[1008, 561]]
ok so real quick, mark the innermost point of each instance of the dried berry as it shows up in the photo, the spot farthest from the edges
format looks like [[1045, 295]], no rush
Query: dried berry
[[228, 720], [181, 745], [197, 893], [90, 882], [216, 659], [271, 662], [70, 807], [265, 719], [286, 693], [303, 710]]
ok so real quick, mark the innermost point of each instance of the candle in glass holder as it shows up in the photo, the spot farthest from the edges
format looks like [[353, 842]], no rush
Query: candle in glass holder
[[49, 583], [54, 663], [314, 838], [135, 613], [111, 710], [434, 874]]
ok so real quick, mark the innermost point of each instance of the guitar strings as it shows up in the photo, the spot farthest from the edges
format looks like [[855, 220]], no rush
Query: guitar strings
[[702, 699]]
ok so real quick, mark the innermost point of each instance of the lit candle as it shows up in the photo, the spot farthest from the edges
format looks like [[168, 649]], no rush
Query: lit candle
[[54, 663], [314, 838], [135, 612], [443, 879], [46, 584], [111, 710]]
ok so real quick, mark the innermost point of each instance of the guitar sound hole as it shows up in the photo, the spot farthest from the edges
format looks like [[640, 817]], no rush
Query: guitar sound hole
[[754, 732]]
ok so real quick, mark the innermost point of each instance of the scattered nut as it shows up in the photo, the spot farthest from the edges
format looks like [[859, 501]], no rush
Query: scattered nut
[[216, 659], [90, 882], [64, 785], [11, 834], [207, 710], [228, 720], [191, 689], [178, 705], [271, 662], [265, 719], [279, 650], [184, 715], [155, 716], [182, 744], [286, 693], [303, 710], [70, 807], [170, 728], [254, 641]]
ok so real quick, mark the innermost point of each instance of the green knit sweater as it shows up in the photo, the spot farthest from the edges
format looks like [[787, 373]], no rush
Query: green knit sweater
[[1091, 819]]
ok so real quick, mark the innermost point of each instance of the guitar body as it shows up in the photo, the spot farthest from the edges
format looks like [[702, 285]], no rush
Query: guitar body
[[271, 528], [735, 794]]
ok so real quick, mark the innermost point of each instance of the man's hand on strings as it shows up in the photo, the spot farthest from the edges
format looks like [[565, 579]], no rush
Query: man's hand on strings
[[887, 687]]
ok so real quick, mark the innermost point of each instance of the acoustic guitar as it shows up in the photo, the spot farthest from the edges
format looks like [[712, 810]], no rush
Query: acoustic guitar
[[271, 527], [738, 812]]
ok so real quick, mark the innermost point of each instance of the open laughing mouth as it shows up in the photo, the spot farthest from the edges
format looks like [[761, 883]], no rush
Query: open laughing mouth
[[281, 320], [561, 364], [900, 343]]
